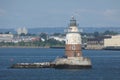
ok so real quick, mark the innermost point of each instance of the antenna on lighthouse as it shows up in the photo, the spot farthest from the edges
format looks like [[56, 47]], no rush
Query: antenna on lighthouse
[[72, 17]]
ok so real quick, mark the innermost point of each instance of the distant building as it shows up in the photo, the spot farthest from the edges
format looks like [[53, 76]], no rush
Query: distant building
[[114, 41], [22, 30], [25, 39], [96, 43], [58, 38], [6, 37]]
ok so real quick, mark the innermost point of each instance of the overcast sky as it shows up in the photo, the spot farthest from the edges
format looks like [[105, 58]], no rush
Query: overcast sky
[[57, 13]]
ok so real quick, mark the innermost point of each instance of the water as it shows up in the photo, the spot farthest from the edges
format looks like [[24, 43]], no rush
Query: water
[[105, 65]]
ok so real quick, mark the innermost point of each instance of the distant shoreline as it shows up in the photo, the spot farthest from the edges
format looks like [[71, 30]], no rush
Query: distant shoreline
[[23, 47], [52, 47]]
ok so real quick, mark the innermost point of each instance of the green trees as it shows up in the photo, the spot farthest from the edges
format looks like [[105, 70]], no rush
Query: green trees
[[49, 42], [53, 42], [98, 34]]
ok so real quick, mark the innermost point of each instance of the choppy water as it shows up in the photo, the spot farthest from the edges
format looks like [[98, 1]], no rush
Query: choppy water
[[105, 65]]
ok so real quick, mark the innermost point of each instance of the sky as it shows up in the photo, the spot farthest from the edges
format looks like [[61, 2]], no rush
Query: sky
[[57, 13]]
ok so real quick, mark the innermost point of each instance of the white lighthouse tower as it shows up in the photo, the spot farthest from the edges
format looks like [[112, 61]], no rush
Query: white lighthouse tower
[[73, 53], [73, 40]]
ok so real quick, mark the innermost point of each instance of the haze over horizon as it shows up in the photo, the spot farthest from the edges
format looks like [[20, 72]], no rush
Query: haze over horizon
[[54, 13]]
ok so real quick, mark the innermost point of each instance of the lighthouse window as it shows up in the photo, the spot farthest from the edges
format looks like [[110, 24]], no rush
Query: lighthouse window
[[66, 41], [73, 47], [70, 28]]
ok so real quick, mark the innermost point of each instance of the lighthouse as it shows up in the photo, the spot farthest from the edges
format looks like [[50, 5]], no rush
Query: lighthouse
[[73, 52], [72, 59], [73, 40]]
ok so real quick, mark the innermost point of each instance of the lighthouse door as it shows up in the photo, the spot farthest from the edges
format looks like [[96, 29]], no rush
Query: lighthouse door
[[74, 50], [75, 54]]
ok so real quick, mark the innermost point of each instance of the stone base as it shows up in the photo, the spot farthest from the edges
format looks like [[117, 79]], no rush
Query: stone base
[[59, 63], [66, 66], [73, 63]]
